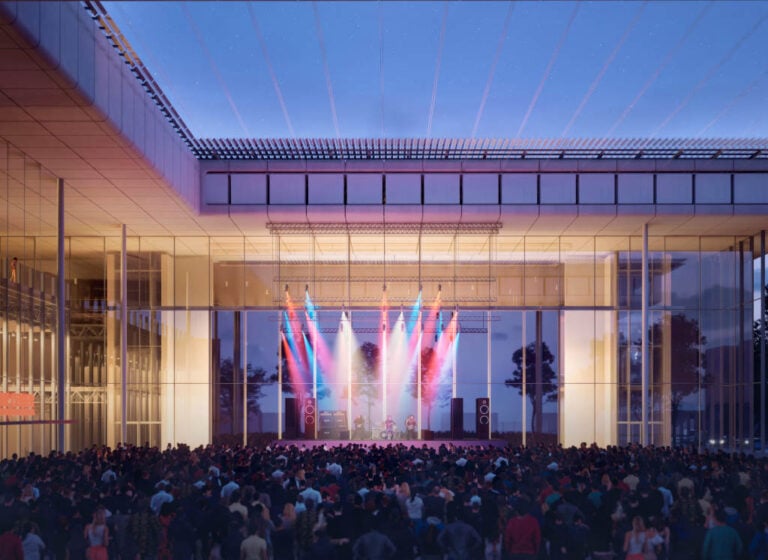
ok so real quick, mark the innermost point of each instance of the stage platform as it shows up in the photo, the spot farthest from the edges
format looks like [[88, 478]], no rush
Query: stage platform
[[433, 443]]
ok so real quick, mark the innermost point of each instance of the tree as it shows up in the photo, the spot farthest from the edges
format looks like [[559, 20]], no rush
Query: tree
[[538, 390], [432, 391], [231, 390], [757, 343]]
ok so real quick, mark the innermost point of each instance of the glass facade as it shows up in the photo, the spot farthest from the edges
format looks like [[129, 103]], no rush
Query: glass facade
[[234, 337]]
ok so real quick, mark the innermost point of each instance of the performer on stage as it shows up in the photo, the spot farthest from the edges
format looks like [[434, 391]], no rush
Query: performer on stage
[[410, 427], [389, 428], [359, 428]]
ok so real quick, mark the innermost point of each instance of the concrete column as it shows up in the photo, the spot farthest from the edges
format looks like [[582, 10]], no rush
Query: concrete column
[[644, 427], [123, 337], [61, 324]]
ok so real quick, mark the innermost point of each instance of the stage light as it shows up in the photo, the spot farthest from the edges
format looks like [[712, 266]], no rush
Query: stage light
[[286, 288], [402, 327], [306, 288], [421, 288], [384, 287], [439, 287], [384, 327]]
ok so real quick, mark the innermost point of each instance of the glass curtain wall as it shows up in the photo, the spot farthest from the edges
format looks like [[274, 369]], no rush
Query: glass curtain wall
[[28, 332], [547, 329]]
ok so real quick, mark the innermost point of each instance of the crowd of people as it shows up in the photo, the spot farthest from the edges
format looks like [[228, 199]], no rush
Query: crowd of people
[[404, 501]]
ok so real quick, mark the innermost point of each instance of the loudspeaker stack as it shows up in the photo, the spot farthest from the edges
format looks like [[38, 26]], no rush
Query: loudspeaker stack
[[483, 417], [310, 418], [457, 418], [291, 418]]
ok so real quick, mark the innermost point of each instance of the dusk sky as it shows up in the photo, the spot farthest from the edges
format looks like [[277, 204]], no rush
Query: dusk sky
[[458, 69]]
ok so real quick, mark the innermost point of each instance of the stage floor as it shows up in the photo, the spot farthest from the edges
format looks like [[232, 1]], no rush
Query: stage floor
[[433, 444]]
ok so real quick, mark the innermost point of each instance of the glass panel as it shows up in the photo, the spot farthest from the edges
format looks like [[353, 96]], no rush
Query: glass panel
[[330, 284], [750, 188], [248, 188], [190, 349], [519, 188], [287, 188], [471, 351], [261, 286], [364, 188], [578, 261], [261, 341], [366, 361], [718, 272], [326, 188], [367, 276], [227, 256], [438, 254], [596, 188], [402, 264], [473, 282], [635, 188], [508, 267], [192, 276], [682, 260], [437, 359], [713, 188], [543, 272], [441, 188], [558, 188], [156, 255], [403, 188], [609, 275], [506, 391], [541, 365], [674, 188], [227, 383], [480, 188]]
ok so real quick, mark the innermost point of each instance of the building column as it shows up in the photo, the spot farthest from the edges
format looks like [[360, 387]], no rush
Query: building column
[[488, 386], [280, 374], [61, 326], [644, 427], [763, 404], [123, 336]]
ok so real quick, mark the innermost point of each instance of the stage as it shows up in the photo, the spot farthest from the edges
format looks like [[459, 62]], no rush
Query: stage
[[433, 444]]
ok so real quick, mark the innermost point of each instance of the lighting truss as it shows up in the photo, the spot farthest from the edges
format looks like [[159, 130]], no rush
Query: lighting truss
[[303, 228]]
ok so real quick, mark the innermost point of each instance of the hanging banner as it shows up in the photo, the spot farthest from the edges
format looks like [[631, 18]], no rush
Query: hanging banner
[[17, 404]]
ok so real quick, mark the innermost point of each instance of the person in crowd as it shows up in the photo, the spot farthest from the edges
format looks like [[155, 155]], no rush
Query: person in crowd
[[636, 544], [97, 536], [254, 547], [722, 541], [459, 540], [325, 499], [33, 545], [522, 534], [11, 547]]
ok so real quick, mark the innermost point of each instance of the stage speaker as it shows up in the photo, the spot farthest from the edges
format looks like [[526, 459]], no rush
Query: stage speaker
[[291, 418], [344, 435], [310, 418], [483, 417], [427, 435], [457, 418]]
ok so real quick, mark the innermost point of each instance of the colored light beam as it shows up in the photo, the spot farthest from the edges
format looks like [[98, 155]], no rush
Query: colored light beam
[[294, 373], [442, 359], [324, 356]]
